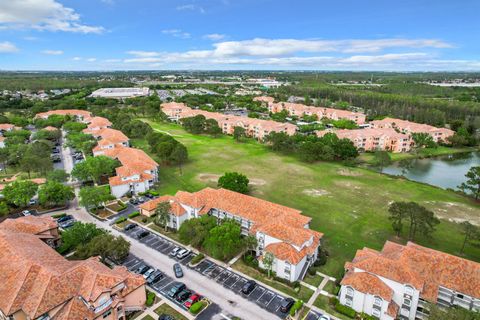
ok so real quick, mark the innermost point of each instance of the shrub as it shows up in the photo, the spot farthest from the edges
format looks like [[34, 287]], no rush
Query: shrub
[[134, 214], [120, 220], [153, 193], [197, 307], [296, 306], [321, 257], [144, 220], [312, 271], [349, 312], [197, 258], [58, 215], [364, 316], [150, 299]]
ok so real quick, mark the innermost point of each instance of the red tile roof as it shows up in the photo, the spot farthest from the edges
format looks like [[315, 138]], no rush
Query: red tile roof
[[66, 112], [367, 283], [29, 224]]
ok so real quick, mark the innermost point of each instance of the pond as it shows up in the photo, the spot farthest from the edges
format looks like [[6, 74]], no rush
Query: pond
[[444, 172]]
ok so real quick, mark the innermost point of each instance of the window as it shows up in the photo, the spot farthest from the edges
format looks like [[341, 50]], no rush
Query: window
[[107, 314], [376, 313], [460, 296], [350, 291], [409, 290], [377, 301], [407, 302], [348, 302]]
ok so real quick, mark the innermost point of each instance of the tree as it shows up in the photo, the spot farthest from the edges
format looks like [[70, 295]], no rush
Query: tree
[[36, 158], [239, 133], [234, 181], [4, 209], [80, 233], [452, 313], [381, 159], [93, 168], [4, 156], [212, 128], [55, 193], [267, 261], [107, 246], [420, 219], [473, 182], [94, 197], [195, 231], [250, 243], [471, 235], [224, 241], [162, 213], [58, 175], [19, 193], [398, 213], [179, 155], [195, 124], [423, 140]]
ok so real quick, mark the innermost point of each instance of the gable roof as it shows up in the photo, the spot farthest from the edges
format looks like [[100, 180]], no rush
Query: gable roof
[[367, 283]]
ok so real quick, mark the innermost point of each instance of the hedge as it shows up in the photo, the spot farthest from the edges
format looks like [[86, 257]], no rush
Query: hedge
[[197, 307], [150, 299], [296, 306], [197, 258], [120, 220], [58, 215], [153, 193], [349, 312], [134, 214]]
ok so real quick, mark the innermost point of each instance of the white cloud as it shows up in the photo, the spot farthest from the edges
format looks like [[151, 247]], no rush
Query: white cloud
[[214, 36], [92, 59], [177, 33], [7, 47], [47, 15], [190, 7], [77, 58], [52, 52], [143, 53]]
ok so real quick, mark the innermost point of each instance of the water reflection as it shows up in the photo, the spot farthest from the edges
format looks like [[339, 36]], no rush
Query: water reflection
[[445, 172]]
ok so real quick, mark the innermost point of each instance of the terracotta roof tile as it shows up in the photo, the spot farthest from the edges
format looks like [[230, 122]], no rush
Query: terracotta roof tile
[[367, 283], [284, 251]]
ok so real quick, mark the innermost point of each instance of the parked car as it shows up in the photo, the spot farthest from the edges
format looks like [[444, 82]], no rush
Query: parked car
[[174, 251], [143, 234], [176, 289], [325, 317], [249, 286], [26, 213], [165, 317], [64, 218], [141, 199], [182, 253], [67, 224], [149, 196], [148, 273], [193, 298], [142, 268], [133, 201], [32, 202], [287, 303], [154, 277], [184, 295], [130, 226], [178, 270]]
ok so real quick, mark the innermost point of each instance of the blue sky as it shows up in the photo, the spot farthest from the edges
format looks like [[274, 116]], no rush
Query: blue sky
[[404, 35]]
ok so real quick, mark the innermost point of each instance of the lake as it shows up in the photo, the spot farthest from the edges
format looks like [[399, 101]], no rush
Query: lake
[[445, 172]]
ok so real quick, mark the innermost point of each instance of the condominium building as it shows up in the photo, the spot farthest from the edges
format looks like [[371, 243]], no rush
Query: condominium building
[[80, 115], [108, 139], [279, 230], [256, 128], [120, 93], [399, 281], [38, 283], [300, 110], [6, 127], [408, 127], [370, 139]]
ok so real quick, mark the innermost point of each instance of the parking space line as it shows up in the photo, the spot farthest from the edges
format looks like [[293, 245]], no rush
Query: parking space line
[[270, 300], [264, 290]]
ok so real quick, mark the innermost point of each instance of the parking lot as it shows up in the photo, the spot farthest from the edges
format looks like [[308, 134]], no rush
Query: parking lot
[[265, 298]]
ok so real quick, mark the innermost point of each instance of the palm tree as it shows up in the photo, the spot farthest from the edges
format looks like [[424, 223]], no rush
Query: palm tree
[[162, 213]]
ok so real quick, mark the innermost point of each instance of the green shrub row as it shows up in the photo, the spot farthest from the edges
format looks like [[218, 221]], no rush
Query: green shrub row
[[150, 299], [296, 306], [197, 307], [134, 214], [197, 258], [120, 220], [58, 215], [349, 312]]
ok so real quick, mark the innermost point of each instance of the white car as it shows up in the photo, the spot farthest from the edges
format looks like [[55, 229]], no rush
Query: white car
[[324, 317], [174, 252], [26, 213], [183, 253], [148, 273]]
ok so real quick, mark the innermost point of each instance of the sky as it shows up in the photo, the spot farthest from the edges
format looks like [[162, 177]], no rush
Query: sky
[[357, 35]]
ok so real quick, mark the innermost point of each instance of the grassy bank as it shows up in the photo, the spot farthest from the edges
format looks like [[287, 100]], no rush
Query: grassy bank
[[349, 205]]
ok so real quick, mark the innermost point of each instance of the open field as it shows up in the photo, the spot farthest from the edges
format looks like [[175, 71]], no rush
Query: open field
[[349, 205]]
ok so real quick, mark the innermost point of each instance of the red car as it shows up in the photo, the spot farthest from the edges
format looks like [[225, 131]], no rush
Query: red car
[[193, 298]]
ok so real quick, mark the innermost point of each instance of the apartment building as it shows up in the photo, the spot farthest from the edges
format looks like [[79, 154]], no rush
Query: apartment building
[[408, 127], [399, 281], [7, 127], [80, 115], [98, 123], [299, 110], [44, 228], [386, 139], [108, 139], [280, 230], [38, 283], [137, 173], [256, 128]]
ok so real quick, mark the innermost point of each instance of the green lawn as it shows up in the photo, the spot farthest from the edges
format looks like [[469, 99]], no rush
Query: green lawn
[[349, 205], [322, 303], [313, 280], [166, 309]]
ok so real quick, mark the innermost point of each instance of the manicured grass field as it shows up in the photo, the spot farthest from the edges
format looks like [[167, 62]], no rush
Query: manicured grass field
[[166, 309], [349, 205]]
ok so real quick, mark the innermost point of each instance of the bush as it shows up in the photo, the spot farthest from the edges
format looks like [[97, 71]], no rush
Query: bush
[[321, 257], [312, 271], [296, 306], [349, 312], [197, 258], [120, 220], [150, 299], [134, 214], [364, 316], [153, 193], [58, 215], [197, 307]]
